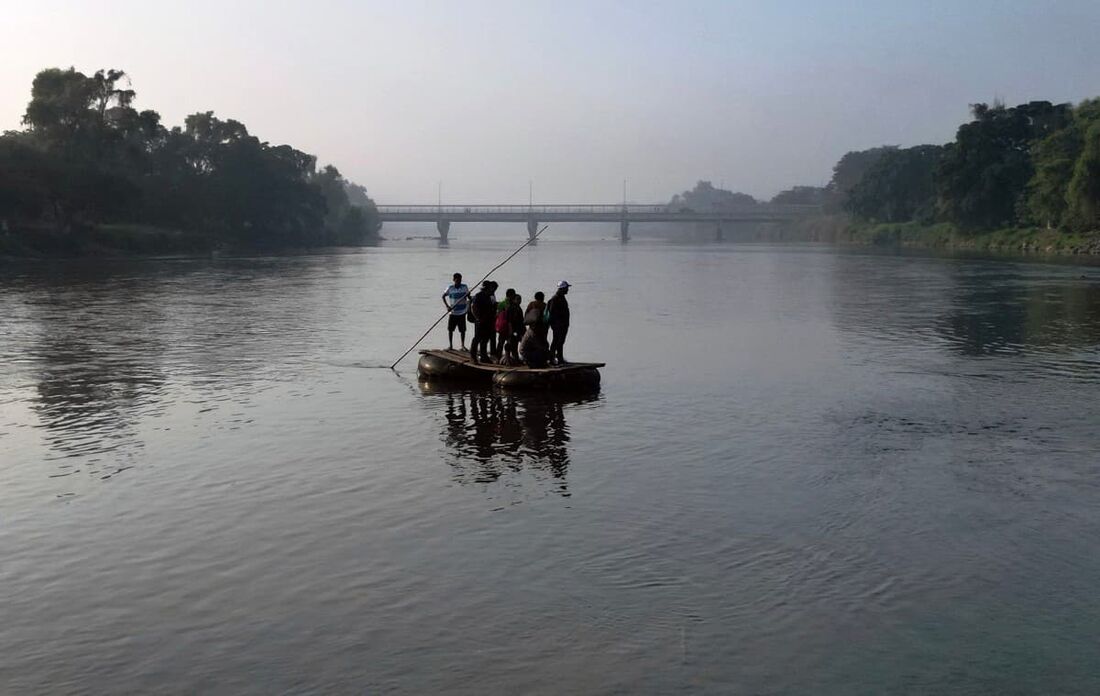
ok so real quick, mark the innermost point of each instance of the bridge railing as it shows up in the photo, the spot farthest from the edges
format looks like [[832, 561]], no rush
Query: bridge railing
[[514, 209], [633, 208]]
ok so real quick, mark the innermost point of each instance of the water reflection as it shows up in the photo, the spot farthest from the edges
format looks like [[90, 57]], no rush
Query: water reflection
[[89, 402], [972, 308], [100, 348], [94, 339], [490, 434], [1015, 314]]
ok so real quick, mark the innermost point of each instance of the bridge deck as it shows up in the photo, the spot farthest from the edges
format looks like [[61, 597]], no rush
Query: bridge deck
[[587, 213]]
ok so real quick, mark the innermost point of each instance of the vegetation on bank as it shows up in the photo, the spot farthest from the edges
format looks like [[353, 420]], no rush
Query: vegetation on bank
[[1028, 240], [90, 174], [1033, 165], [1014, 179], [1019, 179]]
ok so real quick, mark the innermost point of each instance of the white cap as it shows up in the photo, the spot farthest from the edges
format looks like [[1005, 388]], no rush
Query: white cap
[[562, 284]]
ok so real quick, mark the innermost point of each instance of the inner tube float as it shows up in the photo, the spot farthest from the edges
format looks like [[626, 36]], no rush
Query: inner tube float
[[586, 378]]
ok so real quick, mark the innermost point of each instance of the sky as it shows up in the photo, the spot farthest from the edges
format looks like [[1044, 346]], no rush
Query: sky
[[561, 100]]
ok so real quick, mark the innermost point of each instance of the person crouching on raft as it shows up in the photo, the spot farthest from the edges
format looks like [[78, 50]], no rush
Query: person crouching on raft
[[533, 348], [535, 315]]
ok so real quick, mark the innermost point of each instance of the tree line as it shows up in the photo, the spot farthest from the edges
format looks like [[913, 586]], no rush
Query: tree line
[[1032, 165], [87, 158]]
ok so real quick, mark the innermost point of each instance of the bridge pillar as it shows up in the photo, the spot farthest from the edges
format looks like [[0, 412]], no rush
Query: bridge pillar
[[624, 230], [444, 227], [718, 233], [532, 230]]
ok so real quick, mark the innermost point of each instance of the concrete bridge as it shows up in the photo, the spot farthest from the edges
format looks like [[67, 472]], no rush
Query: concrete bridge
[[535, 215]]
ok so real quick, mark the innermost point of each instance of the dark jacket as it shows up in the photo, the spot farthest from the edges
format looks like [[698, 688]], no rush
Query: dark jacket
[[484, 308], [558, 310], [515, 318]]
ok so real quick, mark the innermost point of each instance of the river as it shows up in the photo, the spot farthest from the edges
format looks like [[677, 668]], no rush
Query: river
[[807, 471]]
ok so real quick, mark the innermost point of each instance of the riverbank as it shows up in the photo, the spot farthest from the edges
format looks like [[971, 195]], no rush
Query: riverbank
[[104, 241], [144, 241], [1025, 240], [118, 241]]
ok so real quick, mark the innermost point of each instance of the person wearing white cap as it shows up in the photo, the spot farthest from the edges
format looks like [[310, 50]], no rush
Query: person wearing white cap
[[557, 314]]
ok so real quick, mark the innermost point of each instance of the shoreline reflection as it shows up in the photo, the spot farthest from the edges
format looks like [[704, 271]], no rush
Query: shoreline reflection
[[489, 434]]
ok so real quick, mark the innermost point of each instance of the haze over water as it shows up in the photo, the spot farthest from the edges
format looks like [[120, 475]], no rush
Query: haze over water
[[807, 471]]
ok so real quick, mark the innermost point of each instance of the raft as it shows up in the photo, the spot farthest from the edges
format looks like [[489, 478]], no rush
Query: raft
[[456, 366]]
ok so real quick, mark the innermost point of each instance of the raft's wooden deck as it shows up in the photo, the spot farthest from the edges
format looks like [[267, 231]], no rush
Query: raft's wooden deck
[[463, 358]]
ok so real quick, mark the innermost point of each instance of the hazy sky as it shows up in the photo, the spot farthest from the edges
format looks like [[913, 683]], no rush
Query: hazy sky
[[575, 96]]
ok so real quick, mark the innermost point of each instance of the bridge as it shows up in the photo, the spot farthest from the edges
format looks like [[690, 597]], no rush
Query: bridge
[[534, 215]]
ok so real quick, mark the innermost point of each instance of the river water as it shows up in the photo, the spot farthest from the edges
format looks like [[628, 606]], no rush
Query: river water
[[807, 471]]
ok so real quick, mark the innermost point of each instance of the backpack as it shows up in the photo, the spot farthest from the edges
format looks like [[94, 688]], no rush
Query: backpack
[[484, 307], [502, 321]]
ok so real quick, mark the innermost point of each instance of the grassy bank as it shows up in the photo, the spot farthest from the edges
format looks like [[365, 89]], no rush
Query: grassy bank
[[103, 241], [945, 236]]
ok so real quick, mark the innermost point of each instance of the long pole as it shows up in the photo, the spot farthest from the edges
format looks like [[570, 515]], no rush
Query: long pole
[[467, 297]]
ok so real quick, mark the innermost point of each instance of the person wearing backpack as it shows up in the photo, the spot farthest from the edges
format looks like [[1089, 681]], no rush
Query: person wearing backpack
[[483, 310], [535, 315]]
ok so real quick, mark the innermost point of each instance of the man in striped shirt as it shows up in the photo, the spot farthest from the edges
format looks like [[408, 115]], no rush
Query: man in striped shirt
[[456, 299]]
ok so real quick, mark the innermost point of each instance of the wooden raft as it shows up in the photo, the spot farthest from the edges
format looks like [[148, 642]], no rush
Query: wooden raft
[[450, 364]]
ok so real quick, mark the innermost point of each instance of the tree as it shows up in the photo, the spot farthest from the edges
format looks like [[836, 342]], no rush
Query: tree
[[363, 216], [357, 195], [89, 139], [848, 172], [898, 187], [346, 223], [104, 94], [334, 189], [58, 110], [23, 178], [983, 175], [1054, 158], [88, 157], [1083, 194], [77, 116], [706, 198], [800, 195]]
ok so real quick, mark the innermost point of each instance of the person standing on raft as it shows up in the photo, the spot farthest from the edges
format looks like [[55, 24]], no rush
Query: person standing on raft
[[557, 317], [502, 323], [514, 319], [483, 310], [456, 298]]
